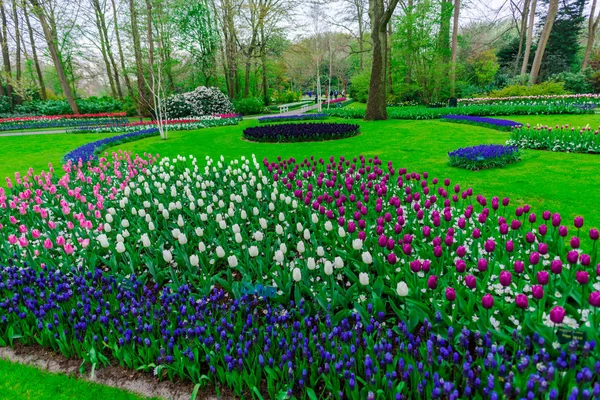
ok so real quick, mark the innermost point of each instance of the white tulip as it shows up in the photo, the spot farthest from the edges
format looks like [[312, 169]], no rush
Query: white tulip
[[315, 218], [109, 218], [125, 223], [279, 229], [259, 236], [120, 238], [103, 240], [283, 248], [357, 244], [279, 257], [306, 234], [142, 213], [201, 247], [175, 232], [253, 251], [232, 261], [199, 232], [328, 268], [167, 256], [255, 211], [328, 226], [238, 238], [243, 214], [182, 239], [402, 289], [297, 274], [150, 226], [320, 251], [310, 263], [341, 232], [148, 218], [300, 247], [281, 217], [125, 233], [107, 228], [299, 227], [165, 214], [194, 260], [363, 278], [263, 223], [259, 195], [145, 240], [235, 228], [222, 224], [203, 217], [112, 211], [366, 257], [338, 262], [180, 221]]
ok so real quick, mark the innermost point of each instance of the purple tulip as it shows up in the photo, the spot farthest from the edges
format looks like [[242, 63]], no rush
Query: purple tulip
[[487, 301], [522, 301], [575, 242], [461, 251], [532, 218], [543, 229], [505, 278], [546, 215], [426, 266], [415, 266], [594, 234], [534, 258], [461, 266], [437, 251], [489, 246], [594, 299], [450, 294], [519, 266], [519, 211], [585, 260], [572, 257], [582, 277], [578, 222], [505, 201], [471, 281], [515, 225], [392, 259], [543, 277], [426, 231], [563, 231], [530, 237], [526, 208], [510, 246], [432, 282], [556, 220], [542, 248], [482, 264], [503, 229], [556, 267], [557, 315], [537, 291], [407, 248], [382, 241], [476, 233]]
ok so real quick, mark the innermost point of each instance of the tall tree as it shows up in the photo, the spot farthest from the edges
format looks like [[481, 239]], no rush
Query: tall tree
[[17, 42], [6, 55], [522, 32], [104, 46], [444, 33], [36, 61], [120, 48], [592, 28], [454, 48], [379, 15], [49, 28], [142, 103], [529, 39], [545, 35], [100, 10]]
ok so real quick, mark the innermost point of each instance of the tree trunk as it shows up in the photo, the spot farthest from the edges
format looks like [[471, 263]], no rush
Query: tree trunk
[[52, 42], [150, 39], [592, 27], [142, 97], [379, 16], [539, 53], [529, 38], [109, 53], [263, 59], [17, 46], [388, 60], [454, 48], [229, 34], [6, 56], [122, 59], [361, 34], [444, 34], [38, 69], [523, 33], [103, 45]]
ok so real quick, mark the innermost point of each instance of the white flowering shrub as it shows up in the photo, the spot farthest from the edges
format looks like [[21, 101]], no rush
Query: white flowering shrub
[[201, 101]]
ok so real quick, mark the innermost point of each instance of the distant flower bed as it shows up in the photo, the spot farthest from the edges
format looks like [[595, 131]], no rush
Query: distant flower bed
[[562, 138], [89, 151], [562, 97], [61, 121], [333, 101], [484, 156], [300, 117], [173, 124], [67, 116], [499, 124], [303, 132]]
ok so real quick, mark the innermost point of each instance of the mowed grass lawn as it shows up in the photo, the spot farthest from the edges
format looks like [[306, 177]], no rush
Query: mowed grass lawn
[[560, 182]]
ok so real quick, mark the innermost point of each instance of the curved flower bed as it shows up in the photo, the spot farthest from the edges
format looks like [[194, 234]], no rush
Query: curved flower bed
[[493, 123], [309, 278], [563, 138], [300, 117], [484, 156], [173, 124], [302, 132], [90, 150]]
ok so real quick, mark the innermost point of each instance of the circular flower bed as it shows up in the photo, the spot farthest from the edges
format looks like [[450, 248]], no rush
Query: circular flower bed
[[484, 156], [304, 132]]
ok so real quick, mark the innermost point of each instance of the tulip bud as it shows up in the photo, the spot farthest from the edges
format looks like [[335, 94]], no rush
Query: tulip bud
[[537, 291], [557, 315], [487, 301], [521, 301], [450, 294]]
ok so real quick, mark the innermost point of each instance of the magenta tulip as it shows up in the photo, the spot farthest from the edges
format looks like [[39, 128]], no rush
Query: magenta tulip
[[582, 277], [572, 257], [432, 282], [450, 294], [510, 246], [519, 266], [594, 234], [461, 266], [557, 315], [489, 246], [574, 242], [505, 278], [537, 291], [585, 260], [534, 258], [487, 301], [556, 267], [482, 264], [522, 301], [471, 281], [543, 277], [578, 222], [594, 299]]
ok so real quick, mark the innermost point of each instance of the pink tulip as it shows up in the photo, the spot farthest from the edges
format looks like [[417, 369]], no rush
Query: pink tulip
[[60, 241], [48, 244], [23, 242], [36, 233], [22, 228], [12, 239], [69, 249]]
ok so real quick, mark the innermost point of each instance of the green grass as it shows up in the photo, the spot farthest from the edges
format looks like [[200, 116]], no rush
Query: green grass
[[26, 382], [560, 182]]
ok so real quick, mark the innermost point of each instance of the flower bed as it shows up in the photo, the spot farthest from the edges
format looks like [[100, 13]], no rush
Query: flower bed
[[302, 132], [484, 156], [62, 121], [481, 110], [326, 276], [174, 124], [333, 101], [564, 138], [588, 97], [90, 150], [493, 123], [285, 118]]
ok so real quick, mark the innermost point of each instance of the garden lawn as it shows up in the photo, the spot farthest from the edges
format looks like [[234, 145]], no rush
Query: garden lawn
[[560, 182], [25, 382]]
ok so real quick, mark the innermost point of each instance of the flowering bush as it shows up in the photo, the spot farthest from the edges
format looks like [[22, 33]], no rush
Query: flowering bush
[[302, 132], [304, 278], [199, 102], [300, 117], [174, 124], [565, 138], [484, 156], [493, 123]]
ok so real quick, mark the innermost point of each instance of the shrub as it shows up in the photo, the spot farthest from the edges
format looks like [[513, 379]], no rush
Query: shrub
[[543, 89], [201, 101], [4, 104], [302, 132], [575, 82], [249, 106], [287, 96], [359, 86], [484, 156]]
